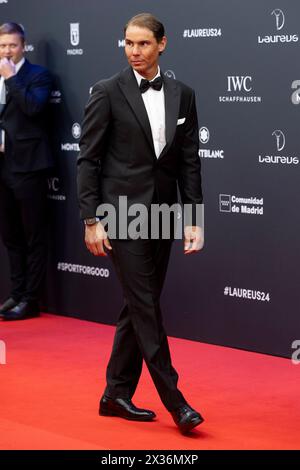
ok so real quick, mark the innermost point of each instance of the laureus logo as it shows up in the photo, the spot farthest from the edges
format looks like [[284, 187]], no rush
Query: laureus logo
[[281, 37], [74, 34], [170, 74], [280, 139], [280, 18], [279, 158]]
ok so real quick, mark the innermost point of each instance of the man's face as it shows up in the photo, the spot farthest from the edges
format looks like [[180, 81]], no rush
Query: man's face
[[142, 50], [11, 47]]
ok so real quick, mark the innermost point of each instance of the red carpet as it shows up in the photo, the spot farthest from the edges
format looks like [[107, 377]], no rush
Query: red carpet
[[55, 374]]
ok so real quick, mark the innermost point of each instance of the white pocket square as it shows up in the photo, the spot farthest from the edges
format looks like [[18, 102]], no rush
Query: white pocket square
[[180, 121]]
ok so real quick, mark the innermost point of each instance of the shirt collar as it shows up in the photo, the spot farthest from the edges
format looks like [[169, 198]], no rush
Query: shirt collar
[[19, 64], [139, 77]]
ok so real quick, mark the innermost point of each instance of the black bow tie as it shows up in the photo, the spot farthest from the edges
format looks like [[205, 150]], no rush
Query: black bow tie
[[155, 84]]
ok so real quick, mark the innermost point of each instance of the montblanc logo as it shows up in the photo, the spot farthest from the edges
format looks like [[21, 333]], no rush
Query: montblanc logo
[[296, 94], [280, 142], [279, 20], [241, 205], [170, 74], [202, 33], [3, 1], [241, 84], [74, 39], [76, 130], [204, 136], [74, 146]]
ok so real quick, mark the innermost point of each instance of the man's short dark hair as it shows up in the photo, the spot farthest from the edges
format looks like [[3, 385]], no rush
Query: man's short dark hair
[[13, 28], [149, 21]]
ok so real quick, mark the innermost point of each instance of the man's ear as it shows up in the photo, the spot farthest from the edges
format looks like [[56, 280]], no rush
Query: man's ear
[[162, 44]]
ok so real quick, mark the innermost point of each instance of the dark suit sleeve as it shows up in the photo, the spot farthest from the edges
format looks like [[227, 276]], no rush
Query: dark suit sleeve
[[189, 180], [32, 97], [92, 147]]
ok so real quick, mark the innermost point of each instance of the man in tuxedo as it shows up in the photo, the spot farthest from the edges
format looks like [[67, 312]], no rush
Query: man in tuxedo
[[25, 158], [139, 139]]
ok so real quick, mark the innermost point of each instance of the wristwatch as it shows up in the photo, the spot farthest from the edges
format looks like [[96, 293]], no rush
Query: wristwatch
[[91, 221]]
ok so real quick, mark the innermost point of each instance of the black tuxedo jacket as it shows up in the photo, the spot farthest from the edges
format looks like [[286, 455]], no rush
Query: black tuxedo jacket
[[25, 121], [117, 155]]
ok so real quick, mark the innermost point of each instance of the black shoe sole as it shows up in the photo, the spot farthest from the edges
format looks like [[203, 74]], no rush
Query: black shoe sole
[[25, 317], [129, 418], [186, 428]]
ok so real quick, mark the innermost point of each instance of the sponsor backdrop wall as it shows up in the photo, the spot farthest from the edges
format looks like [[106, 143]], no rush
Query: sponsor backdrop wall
[[242, 58]]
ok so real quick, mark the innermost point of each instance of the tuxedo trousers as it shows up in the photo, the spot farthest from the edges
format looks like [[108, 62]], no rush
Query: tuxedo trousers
[[141, 266], [23, 221]]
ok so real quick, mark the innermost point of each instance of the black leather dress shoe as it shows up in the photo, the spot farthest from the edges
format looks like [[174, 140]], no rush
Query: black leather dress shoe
[[124, 408], [186, 418], [22, 311], [7, 305]]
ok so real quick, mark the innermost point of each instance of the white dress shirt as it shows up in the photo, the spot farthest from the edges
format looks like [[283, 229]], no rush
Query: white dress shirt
[[3, 96], [154, 102]]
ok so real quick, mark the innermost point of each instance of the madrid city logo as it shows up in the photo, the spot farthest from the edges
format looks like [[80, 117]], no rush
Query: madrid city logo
[[280, 37], [239, 90], [241, 205], [74, 34], [74, 39], [279, 140], [295, 98], [204, 137]]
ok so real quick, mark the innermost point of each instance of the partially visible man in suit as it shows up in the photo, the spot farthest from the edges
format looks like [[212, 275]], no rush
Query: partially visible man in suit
[[25, 157], [140, 138]]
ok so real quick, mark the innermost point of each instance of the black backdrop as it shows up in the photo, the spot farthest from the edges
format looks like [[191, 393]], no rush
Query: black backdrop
[[242, 58]]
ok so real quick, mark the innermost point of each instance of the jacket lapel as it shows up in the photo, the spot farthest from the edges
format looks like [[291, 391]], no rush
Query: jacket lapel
[[172, 101], [130, 89]]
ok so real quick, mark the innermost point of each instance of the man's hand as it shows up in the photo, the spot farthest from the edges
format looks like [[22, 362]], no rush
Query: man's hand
[[7, 68], [193, 239], [96, 239]]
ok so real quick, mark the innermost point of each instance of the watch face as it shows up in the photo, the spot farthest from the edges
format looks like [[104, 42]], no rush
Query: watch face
[[90, 221]]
